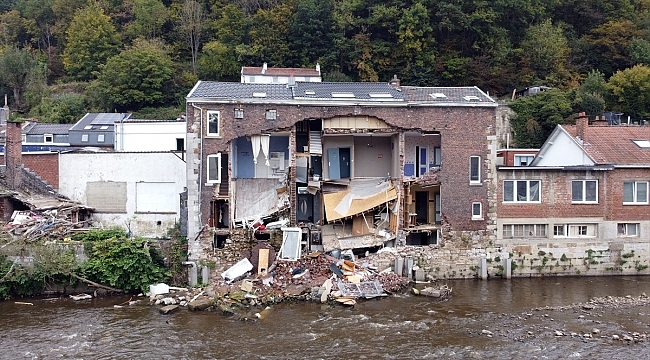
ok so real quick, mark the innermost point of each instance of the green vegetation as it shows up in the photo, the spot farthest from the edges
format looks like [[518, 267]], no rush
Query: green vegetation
[[498, 46]]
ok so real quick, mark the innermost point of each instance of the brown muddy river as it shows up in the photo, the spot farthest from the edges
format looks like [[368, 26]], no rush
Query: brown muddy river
[[403, 326]]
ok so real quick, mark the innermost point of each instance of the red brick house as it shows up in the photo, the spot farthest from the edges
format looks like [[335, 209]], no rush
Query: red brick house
[[357, 164], [585, 191]]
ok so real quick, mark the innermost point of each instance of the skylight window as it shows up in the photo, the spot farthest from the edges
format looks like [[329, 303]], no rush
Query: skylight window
[[343, 95], [310, 92], [438, 96], [381, 96], [644, 144], [88, 127], [471, 98], [105, 127], [259, 94]]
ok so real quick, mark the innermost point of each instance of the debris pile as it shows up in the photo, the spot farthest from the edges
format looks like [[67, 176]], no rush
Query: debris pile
[[53, 223]]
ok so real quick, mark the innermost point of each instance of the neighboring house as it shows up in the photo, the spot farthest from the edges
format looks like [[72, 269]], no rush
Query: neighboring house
[[354, 164], [586, 191], [271, 75], [516, 157], [150, 135], [40, 135], [96, 130], [136, 190]]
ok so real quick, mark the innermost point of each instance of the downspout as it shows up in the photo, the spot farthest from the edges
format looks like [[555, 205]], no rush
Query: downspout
[[200, 163]]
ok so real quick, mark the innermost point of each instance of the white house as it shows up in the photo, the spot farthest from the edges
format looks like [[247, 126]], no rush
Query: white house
[[150, 135]]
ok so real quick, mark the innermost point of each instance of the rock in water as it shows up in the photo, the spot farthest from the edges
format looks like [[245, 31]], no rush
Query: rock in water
[[168, 309]]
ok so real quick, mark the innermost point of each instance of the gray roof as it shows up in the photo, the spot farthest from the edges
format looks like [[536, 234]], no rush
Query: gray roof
[[233, 90], [97, 120], [467, 94], [41, 129], [340, 92]]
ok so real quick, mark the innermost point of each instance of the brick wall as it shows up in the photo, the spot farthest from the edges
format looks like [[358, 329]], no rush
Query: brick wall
[[464, 132], [46, 166]]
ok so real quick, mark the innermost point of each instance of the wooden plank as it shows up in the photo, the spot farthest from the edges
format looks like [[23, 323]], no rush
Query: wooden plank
[[263, 263]]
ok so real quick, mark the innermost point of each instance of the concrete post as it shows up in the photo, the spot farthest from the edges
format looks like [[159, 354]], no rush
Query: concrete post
[[482, 266], [409, 268], [507, 268], [205, 275], [399, 266]]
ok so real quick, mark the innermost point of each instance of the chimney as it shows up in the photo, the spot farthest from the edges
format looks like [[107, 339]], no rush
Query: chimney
[[582, 122], [264, 67], [395, 82], [14, 154]]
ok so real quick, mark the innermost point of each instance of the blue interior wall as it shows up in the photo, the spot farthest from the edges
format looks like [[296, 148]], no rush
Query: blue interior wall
[[244, 158]]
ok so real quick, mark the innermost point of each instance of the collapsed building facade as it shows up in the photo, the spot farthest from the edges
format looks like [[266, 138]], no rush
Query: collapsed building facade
[[353, 165]]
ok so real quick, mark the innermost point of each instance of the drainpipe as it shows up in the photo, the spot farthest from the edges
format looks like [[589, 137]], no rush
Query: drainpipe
[[200, 162], [193, 272]]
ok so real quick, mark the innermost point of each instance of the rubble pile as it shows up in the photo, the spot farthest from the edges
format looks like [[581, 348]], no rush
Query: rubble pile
[[53, 223]]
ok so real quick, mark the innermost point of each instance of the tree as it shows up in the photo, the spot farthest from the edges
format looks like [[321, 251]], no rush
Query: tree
[[591, 94], [631, 91], [66, 109], [18, 70], [545, 50], [91, 39], [311, 33], [139, 76], [269, 40], [150, 16], [191, 25], [217, 62], [606, 46], [536, 116]]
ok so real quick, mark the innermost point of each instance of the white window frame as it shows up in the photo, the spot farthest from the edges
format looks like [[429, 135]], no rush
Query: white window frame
[[625, 229], [514, 191], [271, 114], [575, 230], [477, 215], [210, 176], [210, 117], [101, 138], [512, 231], [518, 158], [478, 170], [635, 193], [46, 136], [23, 137], [84, 137], [583, 196]]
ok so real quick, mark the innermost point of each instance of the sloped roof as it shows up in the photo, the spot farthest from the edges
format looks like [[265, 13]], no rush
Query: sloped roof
[[275, 71], [614, 144], [235, 90], [359, 90], [40, 129], [468, 94], [97, 120]]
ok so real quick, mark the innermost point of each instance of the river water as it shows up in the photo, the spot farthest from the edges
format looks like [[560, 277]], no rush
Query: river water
[[403, 326]]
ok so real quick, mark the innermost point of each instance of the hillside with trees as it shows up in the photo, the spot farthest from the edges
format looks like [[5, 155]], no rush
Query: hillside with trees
[[60, 58]]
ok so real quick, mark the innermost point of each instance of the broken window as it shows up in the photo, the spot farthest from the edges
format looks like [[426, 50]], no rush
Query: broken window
[[628, 230], [291, 243], [584, 191], [474, 170], [213, 123], [214, 168]]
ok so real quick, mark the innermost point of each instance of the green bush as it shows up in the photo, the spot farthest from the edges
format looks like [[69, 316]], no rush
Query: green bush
[[127, 264]]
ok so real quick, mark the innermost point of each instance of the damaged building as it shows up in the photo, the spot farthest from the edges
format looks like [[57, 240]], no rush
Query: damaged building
[[352, 165]]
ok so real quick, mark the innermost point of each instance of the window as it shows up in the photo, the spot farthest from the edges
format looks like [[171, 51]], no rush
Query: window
[[214, 168], [477, 211], [644, 144], [239, 113], [271, 114], [23, 137], [523, 160], [628, 230], [84, 137], [437, 156], [213, 123], [100, 137], [524, 230], [48, 138], [584, 191], [575, 230], [474, 170], [88, 127], [635, 192], [180, 144], [521, 190], [104, 127]]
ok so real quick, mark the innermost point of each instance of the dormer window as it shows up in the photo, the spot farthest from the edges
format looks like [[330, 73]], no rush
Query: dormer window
[[48, 138]]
